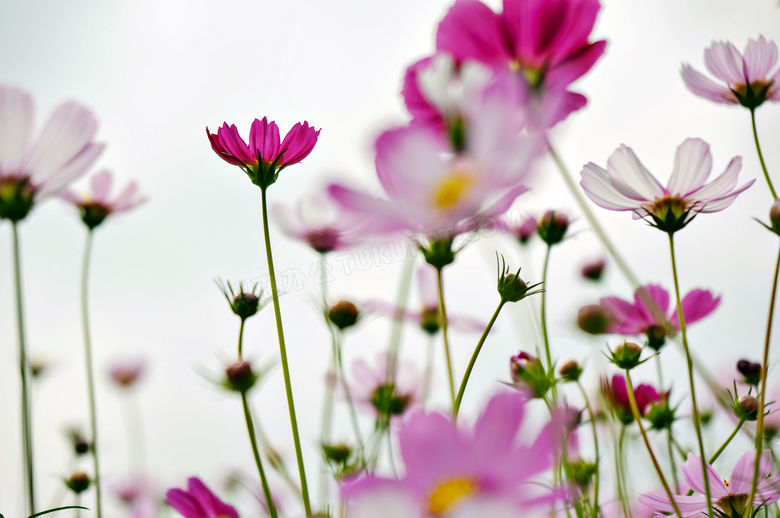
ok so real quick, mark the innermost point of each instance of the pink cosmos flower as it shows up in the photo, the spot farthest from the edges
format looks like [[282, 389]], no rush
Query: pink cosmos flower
[[749, 78], [729, 496], [434, 187], [126, 373], [320, 223], [199, 502], [627, 185], [370, 387], [616, 394], [544, 41], [428, 314], [635, 318], [96, 206], [453, 472], [32, 169], [265, 156]]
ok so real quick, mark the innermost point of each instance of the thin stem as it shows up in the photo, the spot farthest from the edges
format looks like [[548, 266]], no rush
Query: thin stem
[[426, 392], [669, 449], [443, 326], [691, 386], [596, 477], [90, 369], [620, 472], [27, 448], [473, 360], [764, 371], [283, 355], [398, 318], [330, 386], [638, 419], [726, 443], [761, 155], [241, 340], [250, 427], [348, 395], [545, 336]]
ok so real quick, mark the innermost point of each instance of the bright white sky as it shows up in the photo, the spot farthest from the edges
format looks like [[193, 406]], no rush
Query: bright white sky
[[157, 72]]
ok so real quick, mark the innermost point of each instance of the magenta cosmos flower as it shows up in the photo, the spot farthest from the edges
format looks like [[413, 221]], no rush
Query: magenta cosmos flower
[[750, 78], [33, 169], [728, 496], [266, 154], [635, 318], [627, 186], [320, 223], [434, 188], [97, 205], [199, 502], [616, 394], [543, 41], [455, 472]]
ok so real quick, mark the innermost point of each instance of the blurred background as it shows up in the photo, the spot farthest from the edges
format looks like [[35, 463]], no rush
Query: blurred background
[[157, 72]]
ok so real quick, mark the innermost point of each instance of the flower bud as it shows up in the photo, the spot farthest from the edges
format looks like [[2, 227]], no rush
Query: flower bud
[[78, 482], [338, 453], [388, 402], [594, 271], [626, 355], [552, 227], [774, 217], [594, 319], [570, 371], [439, 253], [582, 472], [243, 304], [17, 197], [746, 408], [343, 314], [510, 286], [239, 377], [661, 415], [429, 320], [751, 371], [528, 372], [656, 337], [79, 443]]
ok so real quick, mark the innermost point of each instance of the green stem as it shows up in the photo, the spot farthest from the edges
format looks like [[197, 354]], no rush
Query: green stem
[[473, 360], [283, 355], [347, 394], [691, 386], [330, 386], [398, 318], [241, 340], [90, 369], [276, 461], [545, 337], [761, 155], [443, 326], [638, 419], [27, 447], [762, 397], [620, 472], [726, 443], [596, 477], [428, 368], [669, 449], [250, 427]]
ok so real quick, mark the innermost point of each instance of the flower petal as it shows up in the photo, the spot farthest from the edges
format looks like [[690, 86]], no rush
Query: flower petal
[[264, 138], [496, 428], [720, 186], [703, 86], [16, 121], [659, 501], [101, 185], [630, 177], [471, 30], [760, 58], [692, 166], [742, 476], [724, 61], [697, 304], [77, 166], [576, 65], [598, 187], [298, 143], [694, 477]]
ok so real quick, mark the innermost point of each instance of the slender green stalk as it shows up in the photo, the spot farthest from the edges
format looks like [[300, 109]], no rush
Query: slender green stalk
[[727, 441], [638, 419], [443, 326], [596, 477], [473, 360], [241, 340], [256, 452], [691, 386], [283, 355], [398, 318], [620, 472], [90, 369], [277, 462], [330, 386], [762, 397], [27, 448], [347, 394], [545, 337], [761, 155], [669, 449]]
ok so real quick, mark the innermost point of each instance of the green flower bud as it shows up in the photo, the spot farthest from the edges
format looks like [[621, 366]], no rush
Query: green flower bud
[[626, 355], [594, 319], [552, 227], [78, 482], [343, 314], [570, 371], [239, 377]]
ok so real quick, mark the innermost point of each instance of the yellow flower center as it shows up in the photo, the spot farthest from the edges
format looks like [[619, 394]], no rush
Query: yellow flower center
[[448, 493], [451, 189]]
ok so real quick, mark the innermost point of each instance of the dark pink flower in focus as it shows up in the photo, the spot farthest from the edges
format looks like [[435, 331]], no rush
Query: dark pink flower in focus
[[97, 205], [750, 78], [544, 41], [32, 169], [616, 394], [127, 372], [266, 154], [635, 318], [454, 472], [728, 496], [199, 502]]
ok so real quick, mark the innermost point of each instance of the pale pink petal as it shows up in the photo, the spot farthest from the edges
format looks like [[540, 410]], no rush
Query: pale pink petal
[[598, 187], [760, 58], [287, 220], [70, 171], [630, 177], [408, 162], [724, 61], [659, 501], [101, 186], [373, 497], [67, 133], [127, 199], [720, 186], [465, 323], [428, 286], [694, 477], [431, 448], [496, 429], [742, 476], [380, 215], [71, 196], [16, 121], [696, 305], [471, 30], [719, 204], [692, 166], [703, 86], [419, 107], [768, 491]]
